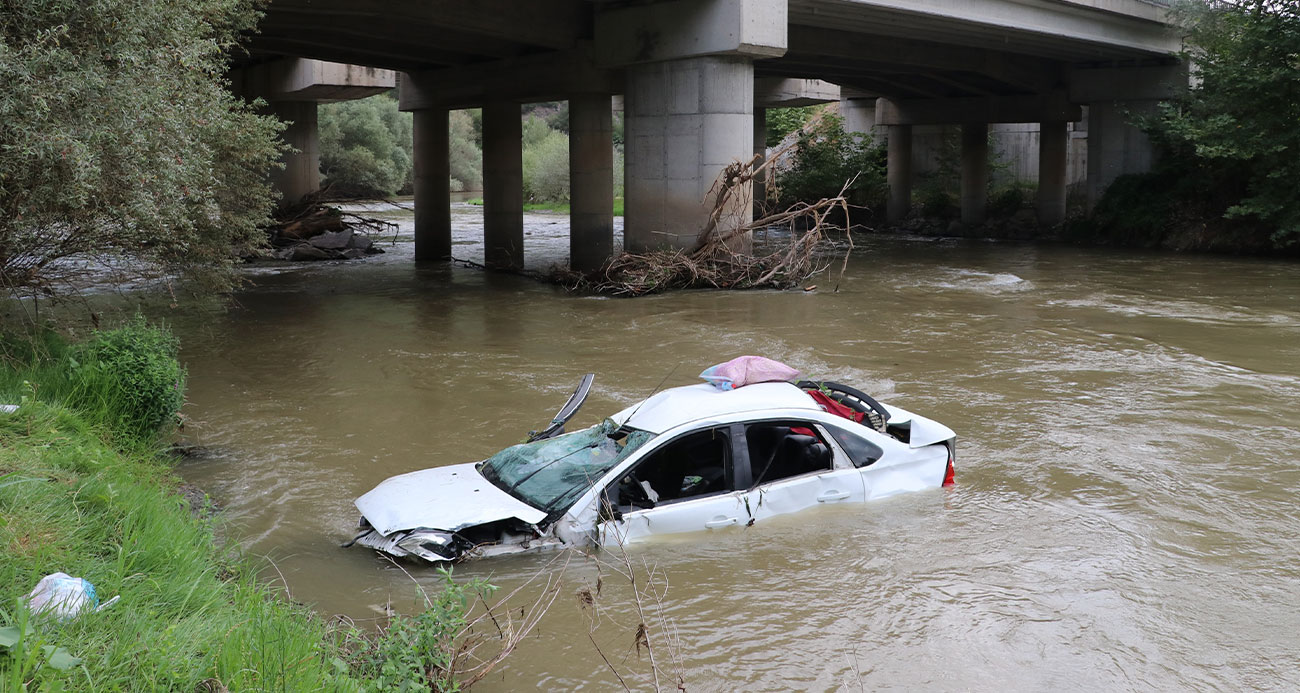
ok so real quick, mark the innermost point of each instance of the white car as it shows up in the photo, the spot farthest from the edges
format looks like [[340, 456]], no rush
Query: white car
[[687, 459]]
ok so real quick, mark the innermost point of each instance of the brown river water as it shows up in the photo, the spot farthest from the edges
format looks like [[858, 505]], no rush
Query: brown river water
[[1128, 456]]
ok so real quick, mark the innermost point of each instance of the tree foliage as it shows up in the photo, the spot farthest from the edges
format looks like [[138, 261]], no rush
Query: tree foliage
[[1238, 129], [546, 163], [365, 146], [120, 145], [466, 150], [827, 158], [783, 121]]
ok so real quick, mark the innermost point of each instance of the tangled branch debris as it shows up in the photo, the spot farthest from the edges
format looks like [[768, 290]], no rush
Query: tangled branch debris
[[720, 258], [314, 230]]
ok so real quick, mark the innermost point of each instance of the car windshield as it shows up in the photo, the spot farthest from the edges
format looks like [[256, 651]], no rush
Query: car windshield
[[550, 474]]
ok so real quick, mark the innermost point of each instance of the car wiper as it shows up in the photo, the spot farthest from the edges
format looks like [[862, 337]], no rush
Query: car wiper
[[566, 412]]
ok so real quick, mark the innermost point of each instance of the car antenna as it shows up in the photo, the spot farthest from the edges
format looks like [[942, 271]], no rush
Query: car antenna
[[652, 393]]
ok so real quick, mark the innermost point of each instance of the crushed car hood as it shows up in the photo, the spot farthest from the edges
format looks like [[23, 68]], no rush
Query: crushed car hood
[[446, 498]]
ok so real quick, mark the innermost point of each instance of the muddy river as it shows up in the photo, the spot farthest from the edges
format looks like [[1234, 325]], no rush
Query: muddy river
[[1124, 516]]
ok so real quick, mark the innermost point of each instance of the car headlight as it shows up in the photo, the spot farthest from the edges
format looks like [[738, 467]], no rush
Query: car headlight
[[430, 545]]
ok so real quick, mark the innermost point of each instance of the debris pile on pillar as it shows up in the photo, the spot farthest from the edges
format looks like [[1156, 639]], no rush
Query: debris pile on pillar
[[717, 260]]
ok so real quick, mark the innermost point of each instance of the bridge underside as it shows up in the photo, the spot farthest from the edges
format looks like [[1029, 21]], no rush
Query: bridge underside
[[688, 69]]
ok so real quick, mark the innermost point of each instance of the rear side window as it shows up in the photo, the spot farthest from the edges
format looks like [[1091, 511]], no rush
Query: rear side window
[[861, 451], [784, 449]]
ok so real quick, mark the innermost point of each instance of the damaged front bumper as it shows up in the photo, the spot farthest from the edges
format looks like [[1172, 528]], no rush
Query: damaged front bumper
[[427, 544]]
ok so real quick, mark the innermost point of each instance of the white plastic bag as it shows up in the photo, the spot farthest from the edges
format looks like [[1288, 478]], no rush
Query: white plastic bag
[[62, 596]]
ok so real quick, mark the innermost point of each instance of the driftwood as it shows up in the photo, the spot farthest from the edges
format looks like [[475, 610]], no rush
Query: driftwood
[[719, 258], [314, 230]]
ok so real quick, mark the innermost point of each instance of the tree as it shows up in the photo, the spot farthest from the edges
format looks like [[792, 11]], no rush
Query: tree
[[1238, 129], [120, 146], [366, 147], [826, 159], [466, 155]]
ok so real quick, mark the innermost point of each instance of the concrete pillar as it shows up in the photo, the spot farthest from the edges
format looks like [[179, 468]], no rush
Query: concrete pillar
[[1053, 149], [760, 151], [859, 115], [974, 172], [503, 186], [686, 120], [1115, 147], [591, 181], [899, 172], [432, 184], [1115, 97], [301, 174]]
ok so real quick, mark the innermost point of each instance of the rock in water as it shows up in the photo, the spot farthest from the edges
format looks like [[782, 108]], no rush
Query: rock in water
[[332, 240], [304, 251]]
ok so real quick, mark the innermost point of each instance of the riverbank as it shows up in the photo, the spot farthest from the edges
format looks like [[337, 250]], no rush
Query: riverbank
[[87, 488], [191, 614]]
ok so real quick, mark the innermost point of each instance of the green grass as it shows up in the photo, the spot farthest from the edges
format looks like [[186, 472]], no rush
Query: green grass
[[552, 207], [85, 489], [189, 612]]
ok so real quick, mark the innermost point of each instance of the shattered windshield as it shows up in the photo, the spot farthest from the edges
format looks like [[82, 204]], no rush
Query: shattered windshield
[[550, 474]]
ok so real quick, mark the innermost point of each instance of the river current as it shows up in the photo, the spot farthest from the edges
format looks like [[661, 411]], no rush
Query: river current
[[1124, 516]]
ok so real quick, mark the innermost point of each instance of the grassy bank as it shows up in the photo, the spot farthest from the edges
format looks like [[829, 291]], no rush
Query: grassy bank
[[188, 613], [86, 489]]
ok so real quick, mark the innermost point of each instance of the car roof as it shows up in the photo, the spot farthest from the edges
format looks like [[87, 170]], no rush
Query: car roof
[[682, 405]]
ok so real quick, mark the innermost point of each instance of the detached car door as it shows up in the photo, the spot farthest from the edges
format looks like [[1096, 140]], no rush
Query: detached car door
[[686, 485], [794, 466]]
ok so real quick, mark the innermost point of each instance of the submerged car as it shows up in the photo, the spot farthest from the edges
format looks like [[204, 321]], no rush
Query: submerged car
[[686, 459]]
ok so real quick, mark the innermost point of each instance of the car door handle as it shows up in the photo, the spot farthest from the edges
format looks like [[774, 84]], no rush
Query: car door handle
[[720, 522], [832, 496]]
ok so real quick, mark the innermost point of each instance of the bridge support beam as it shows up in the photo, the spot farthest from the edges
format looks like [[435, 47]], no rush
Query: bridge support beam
[[503, 186], [301, 173], [591, 181], [1115, 95], [688, 108], [974, 172], [1115, 147], [898, 172], [686, 121], [859, 115], [432, 184], [293, 87], [1053, 151]]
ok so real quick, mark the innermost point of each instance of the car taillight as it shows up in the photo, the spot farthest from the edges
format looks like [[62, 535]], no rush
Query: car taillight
[[950, 476]]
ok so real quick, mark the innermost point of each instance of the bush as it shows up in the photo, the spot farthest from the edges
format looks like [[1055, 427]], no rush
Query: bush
[[1238, 122], [133, 375], [783, 121], [366, 147], [1006, 201], [465, 154], [546, 164], [126, 380], [418, 652], [827, 157]]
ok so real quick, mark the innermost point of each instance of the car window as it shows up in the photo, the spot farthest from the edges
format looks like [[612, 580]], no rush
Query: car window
[[551, 474], [782, 449], [692, 466], [860, 450]]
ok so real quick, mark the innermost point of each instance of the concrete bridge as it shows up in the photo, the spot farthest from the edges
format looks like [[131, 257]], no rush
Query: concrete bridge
[[696, 76]]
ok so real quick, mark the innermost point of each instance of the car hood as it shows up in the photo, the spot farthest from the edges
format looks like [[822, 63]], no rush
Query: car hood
[[447, 498]]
